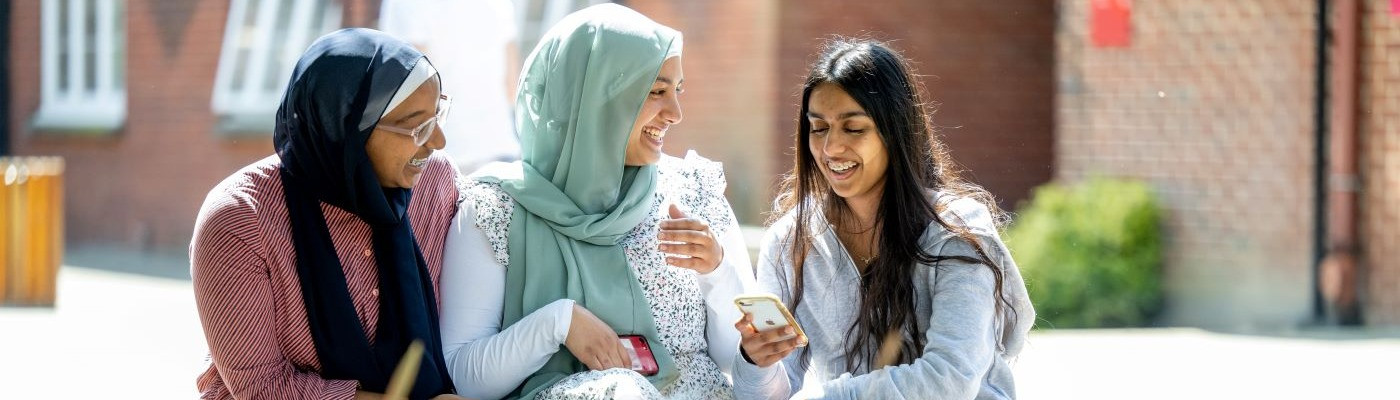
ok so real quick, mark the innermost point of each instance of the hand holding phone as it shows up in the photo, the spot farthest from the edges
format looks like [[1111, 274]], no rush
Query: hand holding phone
[[593, 342], [768, 331]]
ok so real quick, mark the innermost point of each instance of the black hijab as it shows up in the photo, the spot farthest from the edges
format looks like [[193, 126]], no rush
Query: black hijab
[[340, 88]]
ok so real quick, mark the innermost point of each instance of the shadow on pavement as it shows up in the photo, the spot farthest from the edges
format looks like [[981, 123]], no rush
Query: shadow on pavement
[[159, 264], [1319, 332]]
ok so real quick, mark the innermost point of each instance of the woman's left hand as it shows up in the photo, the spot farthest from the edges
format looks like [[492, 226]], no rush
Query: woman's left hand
[[692, 245]]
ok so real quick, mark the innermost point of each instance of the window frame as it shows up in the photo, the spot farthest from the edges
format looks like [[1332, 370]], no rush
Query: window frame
[[249, 107], [73, 106]]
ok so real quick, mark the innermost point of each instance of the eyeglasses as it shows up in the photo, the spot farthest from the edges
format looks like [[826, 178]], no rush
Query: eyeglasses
[[424, 131]]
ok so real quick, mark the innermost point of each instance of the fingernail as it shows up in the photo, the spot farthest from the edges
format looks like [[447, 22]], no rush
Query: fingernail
[[787, 330]]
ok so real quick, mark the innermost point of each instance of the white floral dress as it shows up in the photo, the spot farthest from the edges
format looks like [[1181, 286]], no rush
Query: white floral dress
[[677, 304]]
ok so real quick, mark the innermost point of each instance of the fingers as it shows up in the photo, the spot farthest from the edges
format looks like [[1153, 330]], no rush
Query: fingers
[[594, 343], [690, 224], [777, 335], [770, 353], [745, 326], [675, 211], [780, 346], [612, 353], [592, 363], [697, 264], [701, 235], [766, 347], [624, 359], [698, 250], [605, 357], [685, 249], [769, 358]]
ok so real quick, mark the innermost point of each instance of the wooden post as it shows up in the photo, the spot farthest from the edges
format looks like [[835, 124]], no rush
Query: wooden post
[[31, 238]]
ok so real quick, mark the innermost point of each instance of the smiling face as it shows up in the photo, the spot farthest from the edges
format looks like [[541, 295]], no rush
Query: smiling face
[[661, 110], [846, 145], [396, 159]]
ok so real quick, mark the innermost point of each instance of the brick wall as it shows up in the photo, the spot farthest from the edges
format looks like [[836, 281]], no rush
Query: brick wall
[[988, 64], [142, 185], [1379, 123], [730, 64], [1213, 105]]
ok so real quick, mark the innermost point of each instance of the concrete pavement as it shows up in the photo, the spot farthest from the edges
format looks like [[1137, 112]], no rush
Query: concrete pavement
[[120, 334]]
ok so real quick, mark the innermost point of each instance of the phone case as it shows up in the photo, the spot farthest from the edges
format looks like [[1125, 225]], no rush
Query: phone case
[[643, 361], [769, 313]]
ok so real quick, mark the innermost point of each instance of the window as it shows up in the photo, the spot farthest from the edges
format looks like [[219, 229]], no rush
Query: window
[[82, 65], [262, 42]]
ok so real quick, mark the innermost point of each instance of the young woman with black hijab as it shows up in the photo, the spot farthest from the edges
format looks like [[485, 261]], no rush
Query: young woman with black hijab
[[315, 268]]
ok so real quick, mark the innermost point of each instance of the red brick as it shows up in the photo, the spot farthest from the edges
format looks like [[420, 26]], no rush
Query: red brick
[[142, 185], [1229, 147], [1380, 162]]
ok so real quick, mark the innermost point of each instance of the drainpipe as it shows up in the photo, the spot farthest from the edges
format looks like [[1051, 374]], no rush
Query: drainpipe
[[1340, 269], [1319, 305]]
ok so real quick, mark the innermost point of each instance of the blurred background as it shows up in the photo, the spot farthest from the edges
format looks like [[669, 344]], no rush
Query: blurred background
[[1205, 193]]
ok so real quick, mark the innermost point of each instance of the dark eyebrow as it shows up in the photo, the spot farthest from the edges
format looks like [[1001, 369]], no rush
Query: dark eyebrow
[[408, 117], [843, 115]]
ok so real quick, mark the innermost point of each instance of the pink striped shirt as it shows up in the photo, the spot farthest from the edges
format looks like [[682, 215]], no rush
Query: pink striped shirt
[[248, 292]]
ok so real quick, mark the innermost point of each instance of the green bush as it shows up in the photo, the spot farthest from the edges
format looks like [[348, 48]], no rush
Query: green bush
[[1091, 253]]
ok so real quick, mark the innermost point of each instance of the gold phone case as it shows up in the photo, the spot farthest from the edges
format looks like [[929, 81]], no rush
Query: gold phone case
[[753, 299]]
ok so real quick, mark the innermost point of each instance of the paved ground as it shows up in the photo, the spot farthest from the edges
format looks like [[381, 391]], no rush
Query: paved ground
[[117, 333]]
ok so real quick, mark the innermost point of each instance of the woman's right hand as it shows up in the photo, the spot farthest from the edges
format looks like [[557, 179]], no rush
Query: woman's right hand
[[764, 348], [595, 343]]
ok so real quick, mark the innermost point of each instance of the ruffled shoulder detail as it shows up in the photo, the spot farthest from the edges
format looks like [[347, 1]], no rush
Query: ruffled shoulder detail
[[696, 184], [493, 212]]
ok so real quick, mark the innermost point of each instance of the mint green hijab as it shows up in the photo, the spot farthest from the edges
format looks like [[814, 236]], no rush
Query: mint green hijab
[[582, 89]]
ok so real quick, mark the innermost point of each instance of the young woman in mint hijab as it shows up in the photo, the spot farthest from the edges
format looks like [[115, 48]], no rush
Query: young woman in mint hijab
[[564, 249], [314, 268]]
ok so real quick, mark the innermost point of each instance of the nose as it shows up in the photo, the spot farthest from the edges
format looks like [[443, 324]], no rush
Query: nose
[[832, 145], [672, 111], [438, 140]]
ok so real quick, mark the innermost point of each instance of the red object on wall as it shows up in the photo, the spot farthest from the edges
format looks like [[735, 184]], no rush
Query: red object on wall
[[1395, 7], [1110, 25]]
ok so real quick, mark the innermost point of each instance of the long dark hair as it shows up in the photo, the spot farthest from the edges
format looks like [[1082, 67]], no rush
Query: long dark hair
[[881, 81]]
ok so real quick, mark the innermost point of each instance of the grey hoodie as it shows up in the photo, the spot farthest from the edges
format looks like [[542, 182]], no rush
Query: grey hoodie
[[966, 350]]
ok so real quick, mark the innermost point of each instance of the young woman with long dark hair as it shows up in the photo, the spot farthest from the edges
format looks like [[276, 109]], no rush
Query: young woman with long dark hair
[[891, 263]]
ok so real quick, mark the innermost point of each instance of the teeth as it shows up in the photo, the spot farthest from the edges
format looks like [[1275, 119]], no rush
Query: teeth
[[654, 133], [418, 162], [841, 166]]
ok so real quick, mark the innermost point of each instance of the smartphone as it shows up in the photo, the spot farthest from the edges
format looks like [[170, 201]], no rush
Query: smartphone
[[769, 313], [642, 360]]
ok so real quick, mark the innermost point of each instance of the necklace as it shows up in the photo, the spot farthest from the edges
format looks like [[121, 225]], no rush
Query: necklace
[[865, 233], [866, 260]]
